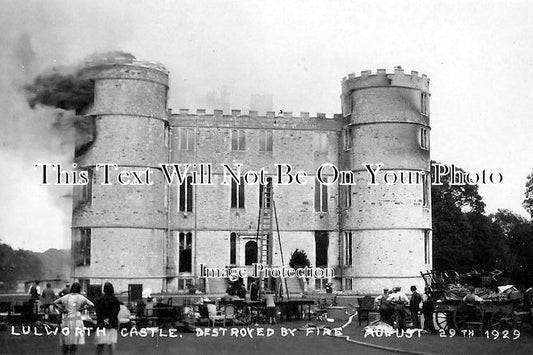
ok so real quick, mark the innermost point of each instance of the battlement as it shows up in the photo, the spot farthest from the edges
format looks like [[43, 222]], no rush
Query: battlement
[[381, 78], [116, 67], [253, 114], [128, 62]]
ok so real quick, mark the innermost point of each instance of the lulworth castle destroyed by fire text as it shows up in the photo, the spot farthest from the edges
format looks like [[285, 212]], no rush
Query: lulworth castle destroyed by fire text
[[160, 235]]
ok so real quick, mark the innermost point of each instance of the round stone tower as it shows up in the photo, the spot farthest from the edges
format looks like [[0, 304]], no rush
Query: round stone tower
[[387, 222], [119, 226]]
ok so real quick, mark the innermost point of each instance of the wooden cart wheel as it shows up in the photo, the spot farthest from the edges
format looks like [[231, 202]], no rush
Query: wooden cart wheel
[[468, 317], [443, 320], [501, 320]]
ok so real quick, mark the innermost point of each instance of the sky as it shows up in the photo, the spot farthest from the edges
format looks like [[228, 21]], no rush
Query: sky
[[477, 54]]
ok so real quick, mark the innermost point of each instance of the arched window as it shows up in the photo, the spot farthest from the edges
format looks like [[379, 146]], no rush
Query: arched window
[[250, 253]]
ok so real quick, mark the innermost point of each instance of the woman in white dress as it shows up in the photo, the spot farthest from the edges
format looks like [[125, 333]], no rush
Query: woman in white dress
[[72, 330]]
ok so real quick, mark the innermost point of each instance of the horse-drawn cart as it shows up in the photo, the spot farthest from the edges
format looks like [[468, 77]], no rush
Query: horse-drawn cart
[[495, 311]]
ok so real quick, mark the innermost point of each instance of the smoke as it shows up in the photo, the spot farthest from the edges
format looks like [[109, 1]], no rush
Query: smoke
[[38, 121], [59, 90]]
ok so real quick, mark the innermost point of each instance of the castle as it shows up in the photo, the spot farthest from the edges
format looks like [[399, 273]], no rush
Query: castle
[[373, 236]]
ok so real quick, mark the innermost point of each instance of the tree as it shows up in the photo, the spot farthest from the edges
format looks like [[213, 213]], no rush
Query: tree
[[18, 265], [521, 245], [299, 259], [463, 237], [452, 246], [528, 201], [507, 220]]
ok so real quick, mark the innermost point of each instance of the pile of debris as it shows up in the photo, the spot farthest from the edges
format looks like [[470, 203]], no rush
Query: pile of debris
[[453, 286], [458, 292]]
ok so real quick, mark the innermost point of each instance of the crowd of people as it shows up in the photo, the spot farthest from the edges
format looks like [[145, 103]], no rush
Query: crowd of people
[[393, 304], [70, 303]]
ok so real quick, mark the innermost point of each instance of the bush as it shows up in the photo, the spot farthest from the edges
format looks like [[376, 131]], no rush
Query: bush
[[299, 259]]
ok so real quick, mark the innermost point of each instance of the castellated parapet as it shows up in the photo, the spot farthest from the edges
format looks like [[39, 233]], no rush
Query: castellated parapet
[[381, 78], [374, 236]]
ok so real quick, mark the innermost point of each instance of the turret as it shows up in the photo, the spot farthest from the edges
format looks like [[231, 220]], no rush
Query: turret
[[386, 226], [120, 229]]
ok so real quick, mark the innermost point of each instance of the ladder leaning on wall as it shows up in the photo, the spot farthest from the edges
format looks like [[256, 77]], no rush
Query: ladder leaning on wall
[[265, 234]]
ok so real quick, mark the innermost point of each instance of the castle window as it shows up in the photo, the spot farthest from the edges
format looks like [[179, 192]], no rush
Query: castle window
[[184, 284], [233, 249], [185, 195], [427, 247], [347, 138], [320, 142], [237, 140], [321, 248], [347, 105], [321, 196], [166, 135], [320, 284], [165, 195], [424, 138], [237, 194], [347, 196], [82, 247], [424, 103], [425, 190], [186, 138], [349, 285], [265, 141], [348, 248], [250, 253], [185, 252], [87, 189]]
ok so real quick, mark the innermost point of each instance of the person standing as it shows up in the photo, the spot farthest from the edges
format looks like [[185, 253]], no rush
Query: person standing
[[382, 303], [35, 297], [48, 296], [107, 310], [254, 292], [270, 307], [400, 301], [65, 291], [414, 306], [71, 305], [428, 307]]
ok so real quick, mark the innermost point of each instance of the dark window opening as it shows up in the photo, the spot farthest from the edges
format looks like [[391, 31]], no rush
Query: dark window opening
[[82, 248], [185, 252], [321, 248], [185, 195], [250, 253], [237, 194], [233, 249]]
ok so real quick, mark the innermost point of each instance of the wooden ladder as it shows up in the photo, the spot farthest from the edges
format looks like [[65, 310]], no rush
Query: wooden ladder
[[266, 224]]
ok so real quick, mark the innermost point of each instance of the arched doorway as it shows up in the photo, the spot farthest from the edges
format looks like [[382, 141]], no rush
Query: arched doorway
[[250, 253]]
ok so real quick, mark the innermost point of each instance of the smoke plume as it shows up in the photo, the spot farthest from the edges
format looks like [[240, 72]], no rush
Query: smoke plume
[[59, 90], [38, 120]]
